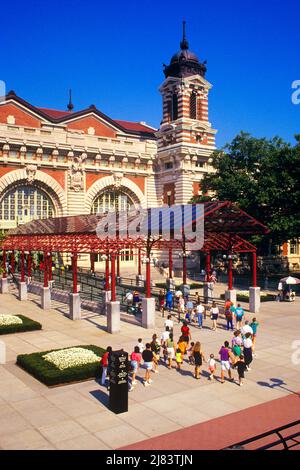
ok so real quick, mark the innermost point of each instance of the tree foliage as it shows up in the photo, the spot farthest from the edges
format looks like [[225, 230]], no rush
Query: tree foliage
[[263, 178]]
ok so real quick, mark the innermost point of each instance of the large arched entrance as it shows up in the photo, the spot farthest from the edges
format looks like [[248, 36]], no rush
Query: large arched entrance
[[114, 199], [22, 203]]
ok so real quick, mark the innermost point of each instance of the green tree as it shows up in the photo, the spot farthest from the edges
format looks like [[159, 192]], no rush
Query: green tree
[[263, 178]]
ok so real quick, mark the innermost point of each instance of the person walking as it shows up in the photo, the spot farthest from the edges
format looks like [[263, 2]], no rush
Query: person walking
[[135, 361], [254, 325], [190, 353], [141, 346], [163, 339], [198, 356], [169, 300], [147, 356], [247, 343], [105, 364], [241, 368], [246, 329], [225, 362], [190, 308], [182, 346], [181, 308], [239, 314], [161, 302], [214, 313], [229, 316], [170, 345], [186, 333], [155, 348], [169, 323], [200, 309], [212, 367], [178, 359]]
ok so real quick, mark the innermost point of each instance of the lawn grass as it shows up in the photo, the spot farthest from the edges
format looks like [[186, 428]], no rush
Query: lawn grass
[[27, 325], [50, 375]]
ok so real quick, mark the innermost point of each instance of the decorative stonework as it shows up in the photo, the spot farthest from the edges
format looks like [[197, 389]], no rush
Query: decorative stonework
[[76, 172], [30, 172]]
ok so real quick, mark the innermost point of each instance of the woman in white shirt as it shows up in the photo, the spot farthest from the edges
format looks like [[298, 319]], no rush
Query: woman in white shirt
[[214, 313]]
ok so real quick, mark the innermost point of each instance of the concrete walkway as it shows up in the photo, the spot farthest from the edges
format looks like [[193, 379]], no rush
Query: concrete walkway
[[76, 416]]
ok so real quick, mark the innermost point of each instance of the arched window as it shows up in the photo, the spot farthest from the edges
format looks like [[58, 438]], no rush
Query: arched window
[[174, 114], [111, 200], [193, 105], [24, 203]]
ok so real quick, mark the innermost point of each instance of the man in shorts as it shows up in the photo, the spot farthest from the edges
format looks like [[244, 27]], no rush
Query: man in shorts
[[225, 363], [148, 357]]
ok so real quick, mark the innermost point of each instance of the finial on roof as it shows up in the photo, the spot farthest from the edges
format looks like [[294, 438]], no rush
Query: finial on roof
[[70, 104], [184, 44]]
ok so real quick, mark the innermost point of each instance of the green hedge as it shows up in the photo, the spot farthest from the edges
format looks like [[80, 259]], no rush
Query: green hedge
[[244, 298], [194, 285], [49, 374], [27, 325]]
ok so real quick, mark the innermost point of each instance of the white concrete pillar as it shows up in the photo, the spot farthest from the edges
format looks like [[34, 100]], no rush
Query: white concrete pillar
[[208, 291], [148, 315], [75, 306], [106, 296], [254, 299], [23, 291], [113, 317], [46, 298], [4, 285], [231, 295]]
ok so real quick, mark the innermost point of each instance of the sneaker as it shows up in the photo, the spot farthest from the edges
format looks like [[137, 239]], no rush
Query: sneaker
[[241, 384], [248, 369], [155, 371], [134, 382], [146, 384], [150, 381], [131, 388]]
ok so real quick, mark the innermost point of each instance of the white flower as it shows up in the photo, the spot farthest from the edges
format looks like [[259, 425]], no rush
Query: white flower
[[71, 357], [10, 320]]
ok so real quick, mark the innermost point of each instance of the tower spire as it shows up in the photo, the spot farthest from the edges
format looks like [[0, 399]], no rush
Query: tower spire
[[184, 44], [70, 104]]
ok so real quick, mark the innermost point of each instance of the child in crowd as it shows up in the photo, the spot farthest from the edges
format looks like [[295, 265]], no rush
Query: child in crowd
[[212, 367], [141, 346], [178, 356], [187, 316], [190, 355], [241, 367]]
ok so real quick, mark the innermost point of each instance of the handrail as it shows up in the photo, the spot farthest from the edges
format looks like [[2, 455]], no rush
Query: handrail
[[283, 440]]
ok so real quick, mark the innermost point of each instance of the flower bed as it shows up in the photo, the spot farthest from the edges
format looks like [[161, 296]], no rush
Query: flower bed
[[62, 366], [17, 324], [243, 296]]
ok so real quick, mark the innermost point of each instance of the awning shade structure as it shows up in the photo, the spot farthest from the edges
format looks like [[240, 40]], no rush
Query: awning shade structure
[[224, 227]]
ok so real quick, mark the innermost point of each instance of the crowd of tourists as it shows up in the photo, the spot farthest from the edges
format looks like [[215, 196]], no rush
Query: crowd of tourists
[[175, 353]]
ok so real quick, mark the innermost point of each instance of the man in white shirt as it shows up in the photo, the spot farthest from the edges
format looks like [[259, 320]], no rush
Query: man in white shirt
[[246, 328], [169, 323], [165, 336]]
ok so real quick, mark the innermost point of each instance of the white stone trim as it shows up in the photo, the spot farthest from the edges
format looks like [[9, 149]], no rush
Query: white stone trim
[[51, 186], [109, 181]]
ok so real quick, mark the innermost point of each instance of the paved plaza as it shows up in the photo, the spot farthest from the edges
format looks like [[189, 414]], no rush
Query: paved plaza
[[33, 416]]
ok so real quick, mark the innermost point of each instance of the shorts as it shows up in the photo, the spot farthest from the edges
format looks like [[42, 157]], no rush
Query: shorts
[[214, 316], [211, 370], [134, 365], [171, 353], [148, 365], [225, 365]]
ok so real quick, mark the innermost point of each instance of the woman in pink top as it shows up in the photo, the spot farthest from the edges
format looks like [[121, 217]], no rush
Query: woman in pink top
[[135, 359]]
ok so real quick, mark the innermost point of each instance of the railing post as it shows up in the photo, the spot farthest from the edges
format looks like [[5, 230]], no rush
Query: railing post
[[113, 278], [45, 269], [74, 269], [22, 266], [4, 275]]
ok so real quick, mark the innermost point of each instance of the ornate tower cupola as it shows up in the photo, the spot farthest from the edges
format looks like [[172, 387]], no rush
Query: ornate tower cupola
[[185, 138], [184, 63]]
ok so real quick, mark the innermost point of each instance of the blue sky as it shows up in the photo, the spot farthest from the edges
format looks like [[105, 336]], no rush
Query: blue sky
[[111, 55]]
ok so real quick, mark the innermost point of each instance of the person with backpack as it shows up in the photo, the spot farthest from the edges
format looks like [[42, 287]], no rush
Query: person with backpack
[[229, 316], [239, 314]]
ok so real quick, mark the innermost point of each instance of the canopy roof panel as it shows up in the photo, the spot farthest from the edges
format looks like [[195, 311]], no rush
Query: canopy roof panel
[[224, 223]]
